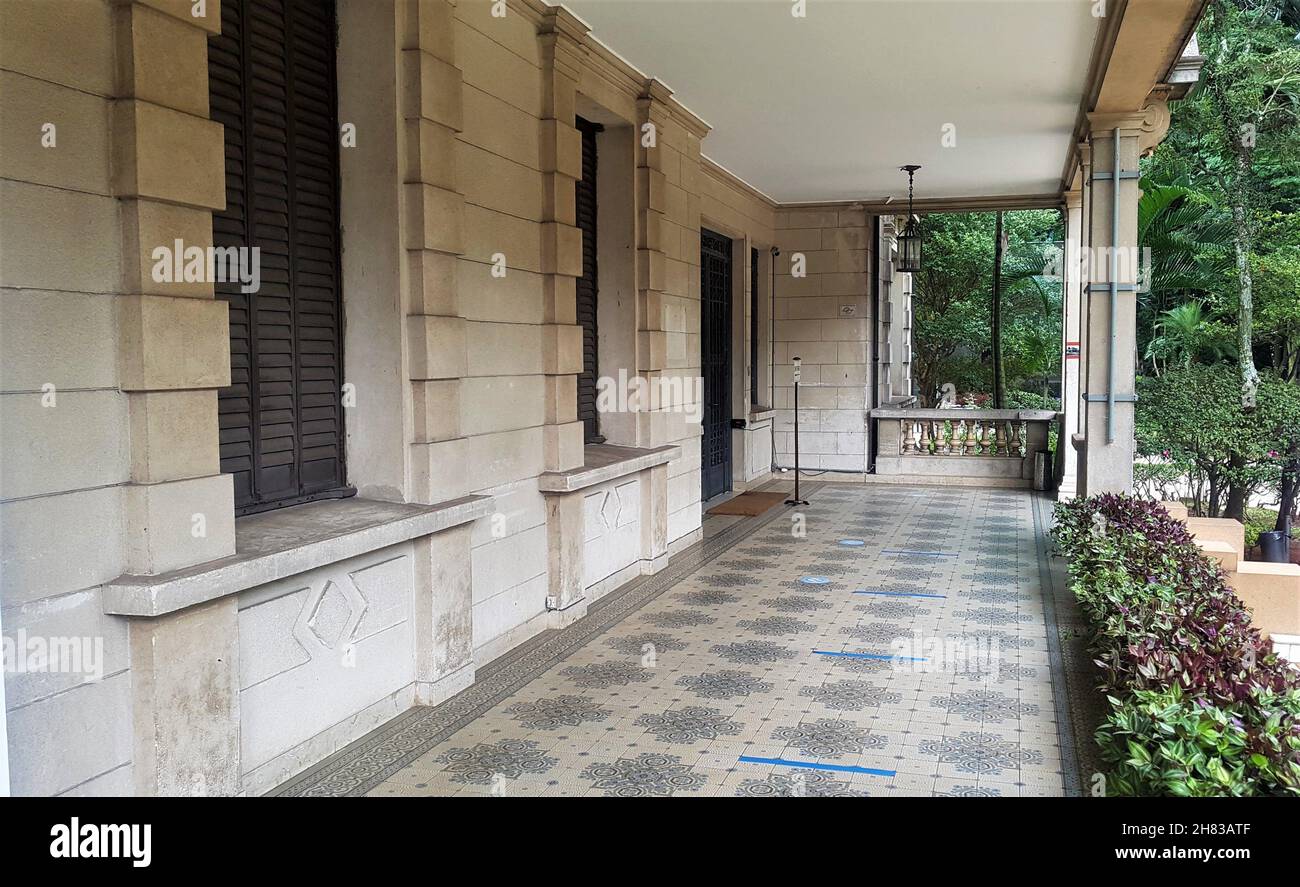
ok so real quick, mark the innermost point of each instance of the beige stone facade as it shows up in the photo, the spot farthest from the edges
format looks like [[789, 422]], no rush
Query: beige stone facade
[[237, 651]]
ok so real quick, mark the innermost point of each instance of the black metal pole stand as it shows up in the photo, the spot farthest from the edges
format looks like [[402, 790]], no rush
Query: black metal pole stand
[[796, 500]]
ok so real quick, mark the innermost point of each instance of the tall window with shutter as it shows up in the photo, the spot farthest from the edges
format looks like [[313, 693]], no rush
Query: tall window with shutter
[[586, 284], [272, 86]]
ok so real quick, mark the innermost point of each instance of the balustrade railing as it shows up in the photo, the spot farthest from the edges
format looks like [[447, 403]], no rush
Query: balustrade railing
[[1002, 442], [963, 437]]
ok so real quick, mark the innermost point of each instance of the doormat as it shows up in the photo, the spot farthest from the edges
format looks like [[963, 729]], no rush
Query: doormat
[[750, 504]]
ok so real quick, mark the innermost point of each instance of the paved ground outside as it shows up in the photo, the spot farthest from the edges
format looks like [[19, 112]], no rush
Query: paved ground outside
[[881, 641]]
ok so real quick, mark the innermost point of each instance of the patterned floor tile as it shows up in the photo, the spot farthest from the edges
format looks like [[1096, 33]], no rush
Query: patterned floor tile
[[943, 675]]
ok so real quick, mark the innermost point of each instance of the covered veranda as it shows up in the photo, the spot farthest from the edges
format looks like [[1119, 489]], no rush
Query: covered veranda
[[437, 566]]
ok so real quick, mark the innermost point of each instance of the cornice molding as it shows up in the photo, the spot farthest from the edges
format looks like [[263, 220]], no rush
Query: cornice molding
[[937, 205], [711, 168]]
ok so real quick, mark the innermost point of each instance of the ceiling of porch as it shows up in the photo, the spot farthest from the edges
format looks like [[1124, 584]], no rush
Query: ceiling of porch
[[829, 106]]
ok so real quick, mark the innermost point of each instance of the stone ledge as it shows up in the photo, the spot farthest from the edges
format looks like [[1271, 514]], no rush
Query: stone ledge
[[605, 462], [286, 542], [958, 414]]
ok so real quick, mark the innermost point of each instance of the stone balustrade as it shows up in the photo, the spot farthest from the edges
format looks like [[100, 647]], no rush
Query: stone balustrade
[[960, 445]]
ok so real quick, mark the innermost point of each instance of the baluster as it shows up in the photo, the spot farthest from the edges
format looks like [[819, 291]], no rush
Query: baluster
[[1000, 443], [906, 444], [925, 437], [972, 441]]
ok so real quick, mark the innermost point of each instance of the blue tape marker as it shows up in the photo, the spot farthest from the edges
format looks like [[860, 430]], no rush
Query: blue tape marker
[[899, 593], [813, 765], [852, 543], [886, 656], [927, 553], [814, 580]]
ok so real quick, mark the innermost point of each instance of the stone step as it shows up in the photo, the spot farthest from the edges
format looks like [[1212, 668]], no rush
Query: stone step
[[1177, 510], [1222, 552], [1220, 529], [1272, 592]]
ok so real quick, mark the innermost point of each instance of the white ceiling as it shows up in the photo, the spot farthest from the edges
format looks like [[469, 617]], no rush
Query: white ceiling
[[829, 106]]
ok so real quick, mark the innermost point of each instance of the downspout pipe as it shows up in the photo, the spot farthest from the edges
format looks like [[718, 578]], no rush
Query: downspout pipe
[[1114, 292]]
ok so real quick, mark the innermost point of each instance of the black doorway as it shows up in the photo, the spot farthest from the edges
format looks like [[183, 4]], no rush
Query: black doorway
[[715, 359]]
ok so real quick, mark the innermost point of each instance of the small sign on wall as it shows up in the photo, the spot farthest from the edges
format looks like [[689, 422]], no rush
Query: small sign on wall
[[848, 310], [1071, 350]]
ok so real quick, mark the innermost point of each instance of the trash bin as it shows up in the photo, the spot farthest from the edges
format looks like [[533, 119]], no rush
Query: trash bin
[[1275, 546], [1042, 470]]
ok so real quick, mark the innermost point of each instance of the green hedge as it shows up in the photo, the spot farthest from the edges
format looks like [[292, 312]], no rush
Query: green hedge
[[1199, 703]]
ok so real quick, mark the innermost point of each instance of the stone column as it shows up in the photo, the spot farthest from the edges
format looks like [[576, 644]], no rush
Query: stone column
[[1071, 347], [168, 171], [653, 230], [1117, 141], [560, 38], [430, 101], [882, 337], [432, 208], [1076, 453]]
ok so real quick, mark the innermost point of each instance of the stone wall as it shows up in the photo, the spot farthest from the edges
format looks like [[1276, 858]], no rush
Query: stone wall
[[109, 377], [465, 379], [822, 317]]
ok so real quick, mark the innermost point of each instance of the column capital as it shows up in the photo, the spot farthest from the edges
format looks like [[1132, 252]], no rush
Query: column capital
[[1149, 125]]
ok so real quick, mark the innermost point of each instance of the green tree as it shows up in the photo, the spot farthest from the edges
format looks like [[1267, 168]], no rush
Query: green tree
[[1251, 87], [1192, 418], [952, 296]]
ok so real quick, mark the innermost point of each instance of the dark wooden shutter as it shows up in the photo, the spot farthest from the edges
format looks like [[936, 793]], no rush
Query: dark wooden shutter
[[715, 360], [586, 205], [272, 86]]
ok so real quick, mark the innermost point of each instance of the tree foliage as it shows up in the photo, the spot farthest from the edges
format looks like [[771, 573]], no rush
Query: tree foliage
[[1191, 419], [952, 297]]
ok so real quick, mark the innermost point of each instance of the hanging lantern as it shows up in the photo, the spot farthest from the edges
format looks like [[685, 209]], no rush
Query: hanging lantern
[[909, 242]]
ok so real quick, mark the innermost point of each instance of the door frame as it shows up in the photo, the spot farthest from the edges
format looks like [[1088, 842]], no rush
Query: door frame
[[729, 382]]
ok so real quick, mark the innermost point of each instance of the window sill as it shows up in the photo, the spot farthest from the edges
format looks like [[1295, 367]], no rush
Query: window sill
[[275, 544], [604, 462]]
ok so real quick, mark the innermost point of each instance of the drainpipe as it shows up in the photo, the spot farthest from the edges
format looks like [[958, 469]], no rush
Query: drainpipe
[[874, 332], [771, 343], [1114, 292]]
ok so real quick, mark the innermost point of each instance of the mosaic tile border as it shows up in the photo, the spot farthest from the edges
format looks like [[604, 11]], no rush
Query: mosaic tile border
[[366, 763], [1079, 676], [1057, 606]]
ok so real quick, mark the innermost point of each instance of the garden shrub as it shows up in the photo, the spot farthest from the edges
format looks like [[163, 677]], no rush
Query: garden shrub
[[1199, 702]]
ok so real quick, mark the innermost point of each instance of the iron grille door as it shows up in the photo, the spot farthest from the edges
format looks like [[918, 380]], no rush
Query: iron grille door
[[585, 195], [715, 359], [272, 86]]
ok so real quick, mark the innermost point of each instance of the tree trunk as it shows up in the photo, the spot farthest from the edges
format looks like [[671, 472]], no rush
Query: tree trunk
[[1241, 241], [1290, 489], [1212, 506], [999, 382], [1235, 507]]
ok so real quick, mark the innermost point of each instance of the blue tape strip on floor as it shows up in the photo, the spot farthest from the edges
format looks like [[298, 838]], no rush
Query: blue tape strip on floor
[[900, 593], [814, 580], [871, 656], [910, 551], [813, 765], [852, 543]]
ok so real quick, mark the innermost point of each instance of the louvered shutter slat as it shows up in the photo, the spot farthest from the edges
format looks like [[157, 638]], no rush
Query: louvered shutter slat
[[585, 199], [272, 84]]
